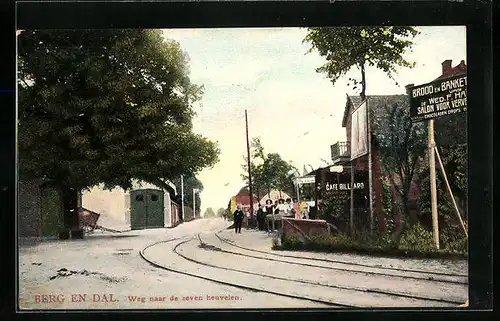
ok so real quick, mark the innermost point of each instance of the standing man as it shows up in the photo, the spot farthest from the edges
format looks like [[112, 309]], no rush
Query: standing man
[[238, 219], [261, 216]]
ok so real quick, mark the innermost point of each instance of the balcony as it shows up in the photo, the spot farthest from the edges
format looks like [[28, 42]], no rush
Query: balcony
[[341, 152]]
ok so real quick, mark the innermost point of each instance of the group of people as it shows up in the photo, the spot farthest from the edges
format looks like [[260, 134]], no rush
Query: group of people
[[281, 207]]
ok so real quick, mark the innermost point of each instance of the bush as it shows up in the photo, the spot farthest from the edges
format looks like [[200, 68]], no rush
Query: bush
[[385, 241], [453, 239], [275, 243], [333, 206], [291, 242], [322, 242], [414, 242], [417, 238]]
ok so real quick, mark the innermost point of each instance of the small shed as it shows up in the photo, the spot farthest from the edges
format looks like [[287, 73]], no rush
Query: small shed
[[147, 208], [39, 210], [144, 206]]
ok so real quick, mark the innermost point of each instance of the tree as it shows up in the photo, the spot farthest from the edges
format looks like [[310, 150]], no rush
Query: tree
[[346, 47], [271, 173], [307, 191], [452, 146], [402, 147], [259, 183], [279, 173], [190, 183], [221, 211], [106, 107], [209, 212]]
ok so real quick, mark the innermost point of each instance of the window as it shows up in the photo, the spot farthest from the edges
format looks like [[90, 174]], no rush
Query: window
[[154, 197], [139, 198]]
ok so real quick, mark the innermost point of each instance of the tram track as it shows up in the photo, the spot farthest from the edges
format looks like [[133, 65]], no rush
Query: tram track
[[177, 249], [364, 290], [306, 258], [232, 284]]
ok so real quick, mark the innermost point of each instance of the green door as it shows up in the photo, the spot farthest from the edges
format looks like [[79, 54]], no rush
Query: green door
[[155, 210], [51, 212], [146, 209], [138, 209]]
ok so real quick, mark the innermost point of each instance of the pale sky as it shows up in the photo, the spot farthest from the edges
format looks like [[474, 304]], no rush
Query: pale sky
[[296, 111]]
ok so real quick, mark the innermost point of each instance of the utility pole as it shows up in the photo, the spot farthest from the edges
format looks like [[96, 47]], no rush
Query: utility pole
[[182, 196], [351, 217], [249, 168], [432, 167], [370, 164], [194, 203]]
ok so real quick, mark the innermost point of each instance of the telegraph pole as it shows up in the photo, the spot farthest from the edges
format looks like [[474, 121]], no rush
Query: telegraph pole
[[249, 168], [194, 203], [351, 216], [432, 167], [182, 196], [370, 165]]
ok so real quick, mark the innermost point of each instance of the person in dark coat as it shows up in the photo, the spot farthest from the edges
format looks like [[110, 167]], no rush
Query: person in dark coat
[[261, 217], [238, 219], [269, 207]]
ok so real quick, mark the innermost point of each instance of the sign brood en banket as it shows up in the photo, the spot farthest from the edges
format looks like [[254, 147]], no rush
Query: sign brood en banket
[[439, 98]]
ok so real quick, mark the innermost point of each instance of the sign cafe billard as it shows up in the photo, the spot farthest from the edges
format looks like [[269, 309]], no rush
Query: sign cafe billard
[[343, 187], [439, 98]]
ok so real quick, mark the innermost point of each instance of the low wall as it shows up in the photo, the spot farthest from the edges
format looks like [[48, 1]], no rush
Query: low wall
[[304, 228]]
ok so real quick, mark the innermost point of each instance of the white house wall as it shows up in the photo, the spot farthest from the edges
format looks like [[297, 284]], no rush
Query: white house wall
[[167, 209], [110, 204], [127, 208]]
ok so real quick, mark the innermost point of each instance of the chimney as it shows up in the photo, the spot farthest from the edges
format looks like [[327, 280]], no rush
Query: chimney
[[408, 88], [446, 66]]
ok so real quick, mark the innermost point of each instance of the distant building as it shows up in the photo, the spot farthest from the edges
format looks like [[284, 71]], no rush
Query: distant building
[[243, 199]]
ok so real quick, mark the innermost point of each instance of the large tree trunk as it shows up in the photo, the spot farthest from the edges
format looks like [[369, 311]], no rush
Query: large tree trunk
[[70, 210]]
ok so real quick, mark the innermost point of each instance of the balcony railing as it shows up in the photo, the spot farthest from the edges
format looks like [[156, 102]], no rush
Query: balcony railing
[[340, 151]]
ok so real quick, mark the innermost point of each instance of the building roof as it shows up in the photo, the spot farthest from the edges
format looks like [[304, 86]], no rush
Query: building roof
[[449, 71], [353, 101], [374, 103], [244, 199]]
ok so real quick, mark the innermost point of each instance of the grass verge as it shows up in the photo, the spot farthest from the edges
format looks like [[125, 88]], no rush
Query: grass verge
[[414, 243]]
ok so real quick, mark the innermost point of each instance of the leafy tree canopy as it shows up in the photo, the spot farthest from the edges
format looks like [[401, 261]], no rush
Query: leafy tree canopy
[[209, 212], [190, 183], [346, 47], [107, 107], [402, 145], [221, 211], [270, 172]]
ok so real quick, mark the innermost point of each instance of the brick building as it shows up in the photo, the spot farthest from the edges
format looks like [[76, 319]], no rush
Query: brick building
[[341, 151]]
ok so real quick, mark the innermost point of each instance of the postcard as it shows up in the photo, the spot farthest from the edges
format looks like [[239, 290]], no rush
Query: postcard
[[238, 168]]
